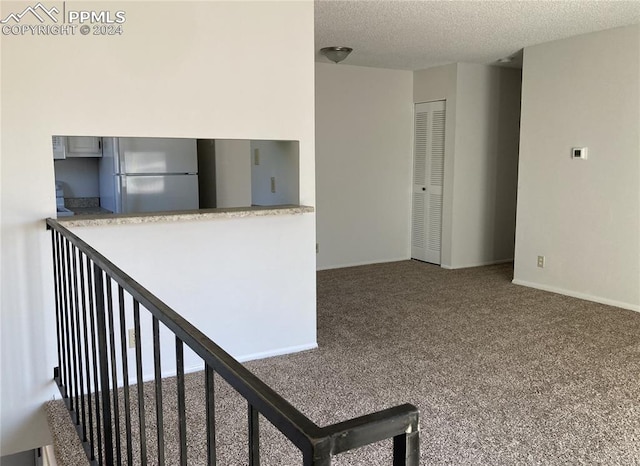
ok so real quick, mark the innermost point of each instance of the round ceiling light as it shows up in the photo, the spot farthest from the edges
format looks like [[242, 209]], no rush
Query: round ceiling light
[[336, 54]]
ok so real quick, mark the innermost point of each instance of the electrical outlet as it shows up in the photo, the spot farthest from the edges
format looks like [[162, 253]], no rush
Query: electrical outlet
[[273, 184], [132, 338], [256, 156], [541, 262]]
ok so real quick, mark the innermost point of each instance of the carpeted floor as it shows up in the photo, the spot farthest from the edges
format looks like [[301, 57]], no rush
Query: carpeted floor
[[502, 374]]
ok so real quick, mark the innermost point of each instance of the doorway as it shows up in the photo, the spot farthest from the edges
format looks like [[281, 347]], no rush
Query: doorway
[[428, 177]]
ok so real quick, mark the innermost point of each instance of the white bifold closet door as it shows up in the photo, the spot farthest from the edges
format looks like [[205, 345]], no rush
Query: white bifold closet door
[[428, 176]]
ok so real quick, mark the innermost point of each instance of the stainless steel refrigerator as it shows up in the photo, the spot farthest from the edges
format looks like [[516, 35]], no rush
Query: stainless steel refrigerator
[[148, 175]]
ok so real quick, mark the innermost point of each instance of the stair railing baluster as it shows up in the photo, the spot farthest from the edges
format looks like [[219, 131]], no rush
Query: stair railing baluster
[[87, 365], [158, 381], [68, 393], [114, 370], [103, 363], [125, 375], [72, 311], [55, 237], [254, 436], [182, 411], [211, 414], [140, 383], [78, 341], [94, 356]]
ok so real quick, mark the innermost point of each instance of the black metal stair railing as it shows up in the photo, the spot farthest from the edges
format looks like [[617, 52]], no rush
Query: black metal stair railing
[[90, 363]]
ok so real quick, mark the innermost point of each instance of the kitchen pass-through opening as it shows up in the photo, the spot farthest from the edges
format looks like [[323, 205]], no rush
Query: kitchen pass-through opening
[[128, 175]]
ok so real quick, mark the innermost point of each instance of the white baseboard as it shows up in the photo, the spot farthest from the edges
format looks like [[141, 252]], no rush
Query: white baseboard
[[148, 377], [357, 264], [277, 352], [242, 358], [480, 264], [405, 258], [575, 294]]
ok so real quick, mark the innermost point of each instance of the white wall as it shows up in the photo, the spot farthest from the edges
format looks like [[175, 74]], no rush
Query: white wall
[[79, 176], [583, 216], [485, 164], [26, 458], [278, 160], [233, 173], [156, 84], [440, 83], [363, 164], [481, 156], [250, 315]]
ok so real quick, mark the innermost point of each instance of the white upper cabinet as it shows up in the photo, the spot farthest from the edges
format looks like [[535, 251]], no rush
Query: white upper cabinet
[[59, 147], [84, 146]]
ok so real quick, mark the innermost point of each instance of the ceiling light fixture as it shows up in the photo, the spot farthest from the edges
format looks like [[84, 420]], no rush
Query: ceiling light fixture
[[506, 60], [336, 54]]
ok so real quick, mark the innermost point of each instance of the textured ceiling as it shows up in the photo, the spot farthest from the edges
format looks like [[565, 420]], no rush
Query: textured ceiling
[[414, 35]]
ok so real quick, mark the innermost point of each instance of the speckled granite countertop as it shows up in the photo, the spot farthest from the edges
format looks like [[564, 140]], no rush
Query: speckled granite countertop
[[180, 216], [85, 206], [89, 210], [81, 202]]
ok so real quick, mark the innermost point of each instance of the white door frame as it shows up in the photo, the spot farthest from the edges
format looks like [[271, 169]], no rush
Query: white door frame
[[428, 181]]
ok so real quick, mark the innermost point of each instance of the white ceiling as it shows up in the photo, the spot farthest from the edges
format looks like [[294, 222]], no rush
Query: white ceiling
[[413, 35]]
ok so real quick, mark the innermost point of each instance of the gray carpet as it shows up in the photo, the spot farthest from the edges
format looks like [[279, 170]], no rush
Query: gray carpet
[[502, 374]]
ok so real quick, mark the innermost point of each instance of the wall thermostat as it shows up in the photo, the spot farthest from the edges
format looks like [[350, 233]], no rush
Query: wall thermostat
[[579, 153]]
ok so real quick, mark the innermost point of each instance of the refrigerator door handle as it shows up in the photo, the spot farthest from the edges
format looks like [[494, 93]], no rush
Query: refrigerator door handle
[[122, 168], [123, 193], [118, 160]]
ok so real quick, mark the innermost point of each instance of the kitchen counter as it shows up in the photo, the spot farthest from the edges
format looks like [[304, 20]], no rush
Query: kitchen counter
[[89, 210], [181, 216], [84, 206]]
